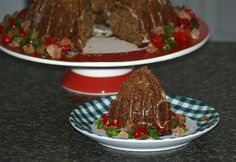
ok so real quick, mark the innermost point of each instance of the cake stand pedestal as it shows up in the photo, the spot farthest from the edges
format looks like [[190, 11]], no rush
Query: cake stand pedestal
[[95, 81]]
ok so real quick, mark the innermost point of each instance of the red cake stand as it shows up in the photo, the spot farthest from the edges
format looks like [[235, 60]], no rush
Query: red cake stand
[[107, 62]]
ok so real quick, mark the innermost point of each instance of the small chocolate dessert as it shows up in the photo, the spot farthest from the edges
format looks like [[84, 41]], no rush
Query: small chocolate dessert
[[140, 102]]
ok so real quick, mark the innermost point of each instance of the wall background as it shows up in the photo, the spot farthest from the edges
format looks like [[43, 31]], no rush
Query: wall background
[[218, 14], [10, 6]]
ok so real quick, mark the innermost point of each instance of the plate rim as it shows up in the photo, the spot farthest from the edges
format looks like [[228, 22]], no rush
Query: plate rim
[[115, 63], [197, 134], [187, 138]]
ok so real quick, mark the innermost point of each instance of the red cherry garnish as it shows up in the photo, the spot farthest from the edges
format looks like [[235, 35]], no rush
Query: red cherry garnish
[[183, 22], [155, 125], [12, 21], [6, 39], [22, 13], [103, 118], [181, 38], [157, 40], [22, 32], [50, 41], [2, 28], [139, 132], [115, 123], [66, 47], [55, 41]]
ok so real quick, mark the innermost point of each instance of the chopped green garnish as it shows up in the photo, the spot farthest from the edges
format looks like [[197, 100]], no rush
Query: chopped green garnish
[[17, 23], [152, 131], [99, 124], [150, 128], [8, 26], [30, 34], [130, 134], [39, 43], [41, 40], [154, 134], [166, 48], [112, 131], [15, 36], [174, 122], [25, 41], [193, 24], [168, 39], [168, 31], [144, 137], [172, 42], [22, 43], [185, 129], [68, 56]]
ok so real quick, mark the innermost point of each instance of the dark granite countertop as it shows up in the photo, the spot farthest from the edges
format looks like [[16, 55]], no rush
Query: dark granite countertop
[[34, 110]]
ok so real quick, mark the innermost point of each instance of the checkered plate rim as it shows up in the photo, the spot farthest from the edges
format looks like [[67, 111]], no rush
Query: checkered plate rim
[[86, 114]]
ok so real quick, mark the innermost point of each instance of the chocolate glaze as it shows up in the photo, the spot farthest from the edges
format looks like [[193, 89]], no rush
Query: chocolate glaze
[[140, 101]]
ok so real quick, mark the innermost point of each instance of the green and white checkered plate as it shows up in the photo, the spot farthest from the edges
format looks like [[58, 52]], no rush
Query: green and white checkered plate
[[86, 114]]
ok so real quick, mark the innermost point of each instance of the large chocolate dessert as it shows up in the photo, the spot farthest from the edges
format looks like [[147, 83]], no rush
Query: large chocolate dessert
[[71, 19], [133, 21], [140, 102]]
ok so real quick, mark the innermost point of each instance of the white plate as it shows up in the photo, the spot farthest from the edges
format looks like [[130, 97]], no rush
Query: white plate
[[83, 116], [122, 45]]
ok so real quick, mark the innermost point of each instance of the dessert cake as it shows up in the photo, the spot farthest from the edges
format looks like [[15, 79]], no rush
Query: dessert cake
[[132, 21], [72, 19], [140, 102], [55, 29], [141, 111]]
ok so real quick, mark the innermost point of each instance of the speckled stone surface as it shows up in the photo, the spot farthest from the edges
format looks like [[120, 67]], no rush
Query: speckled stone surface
[[34, 110]]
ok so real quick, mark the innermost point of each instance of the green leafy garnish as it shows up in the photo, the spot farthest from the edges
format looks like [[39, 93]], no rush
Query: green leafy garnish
[[130, 134], [30, 34], [112, 131], [8, 26], [69, 56], [152, 131], [172, 42], [166, 48], [193, 24], [168, 31], [185, 129], [174, 122], [17, 23], [99, 124], [15, 36], [150, 128], [144, 137], [154, 134], [39, 43], [22, 43]]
